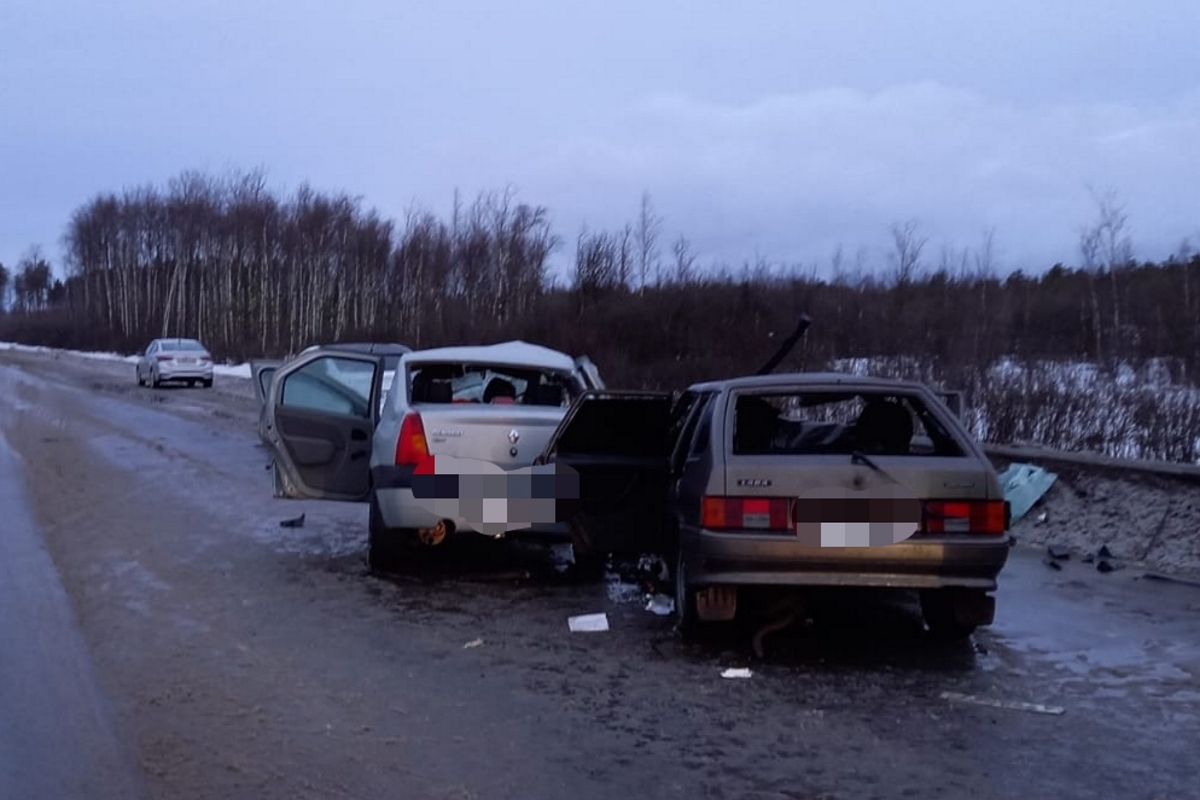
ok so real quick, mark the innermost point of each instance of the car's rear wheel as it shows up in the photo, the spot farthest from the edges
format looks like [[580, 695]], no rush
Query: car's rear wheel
[[685, 598], [206, 383], [137, 371], [387, 549], [941, 611]]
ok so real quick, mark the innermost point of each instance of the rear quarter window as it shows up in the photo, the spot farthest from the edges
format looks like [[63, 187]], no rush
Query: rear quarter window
[[872, 422]]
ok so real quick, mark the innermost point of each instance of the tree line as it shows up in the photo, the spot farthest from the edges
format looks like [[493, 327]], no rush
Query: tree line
[[253, 273]]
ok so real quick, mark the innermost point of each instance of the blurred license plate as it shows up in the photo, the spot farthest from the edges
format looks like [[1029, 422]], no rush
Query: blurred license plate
[[187, 360]]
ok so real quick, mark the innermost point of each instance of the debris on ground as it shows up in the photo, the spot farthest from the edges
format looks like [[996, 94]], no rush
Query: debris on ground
[[295, 522], [1043, 518], [1023, 486], [737, 672], [588, 623], [562, 556], [1052, 564], [1013, 705], [654, 567], [473, 643], [1104, 552], [1058, 553], [1106, 566], [660, 604]]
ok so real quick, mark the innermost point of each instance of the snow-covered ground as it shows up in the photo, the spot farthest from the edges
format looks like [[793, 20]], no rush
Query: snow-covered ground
[[224, 370], [1151, 412]]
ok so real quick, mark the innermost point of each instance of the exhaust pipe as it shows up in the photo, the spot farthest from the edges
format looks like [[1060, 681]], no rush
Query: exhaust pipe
[[434, 536]]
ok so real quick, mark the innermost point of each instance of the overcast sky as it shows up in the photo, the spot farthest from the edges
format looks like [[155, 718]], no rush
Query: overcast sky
[[763, 128]]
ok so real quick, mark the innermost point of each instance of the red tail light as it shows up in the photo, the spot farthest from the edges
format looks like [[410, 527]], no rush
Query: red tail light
[[411, 447], [165, 358], [751, 513], [989, 517]]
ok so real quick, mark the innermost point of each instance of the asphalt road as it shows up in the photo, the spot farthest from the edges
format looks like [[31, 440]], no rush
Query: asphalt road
[[160, 629]]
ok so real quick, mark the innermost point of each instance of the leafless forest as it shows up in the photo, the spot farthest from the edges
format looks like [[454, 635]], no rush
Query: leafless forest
[[256, 274]]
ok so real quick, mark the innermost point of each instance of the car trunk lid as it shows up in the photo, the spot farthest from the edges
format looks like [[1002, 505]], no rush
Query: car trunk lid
[[508, 436]]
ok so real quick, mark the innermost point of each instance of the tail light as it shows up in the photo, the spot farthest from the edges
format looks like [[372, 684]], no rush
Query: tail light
[[750, 513], [165, 358], [411, 447], [989, 517], [205, 357]]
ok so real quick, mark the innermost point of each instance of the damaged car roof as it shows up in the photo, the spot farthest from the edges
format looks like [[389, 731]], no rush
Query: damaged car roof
[[513, 353]]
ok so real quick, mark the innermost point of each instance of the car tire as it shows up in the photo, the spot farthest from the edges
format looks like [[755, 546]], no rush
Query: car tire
[[155, 382], [685, 597], [207, 384], [138, 374], [387, 549], [938, 611]]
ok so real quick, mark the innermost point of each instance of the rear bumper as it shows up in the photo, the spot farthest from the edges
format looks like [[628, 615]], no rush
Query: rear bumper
[[747, 559], [185, 372], [399, 509]]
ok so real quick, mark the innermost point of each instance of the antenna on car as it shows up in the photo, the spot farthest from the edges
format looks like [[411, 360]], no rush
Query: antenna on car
[[786, 347]]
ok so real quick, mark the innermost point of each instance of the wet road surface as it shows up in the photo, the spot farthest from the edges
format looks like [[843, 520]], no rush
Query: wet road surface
[[242, 659], [57, 735]]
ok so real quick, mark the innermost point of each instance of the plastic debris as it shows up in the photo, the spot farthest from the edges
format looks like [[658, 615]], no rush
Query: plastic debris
[[473, 643], [737, 672], [296, 522], [1013, 705], [588, 623], [1043, 517], [660, 604], [1023, 486]]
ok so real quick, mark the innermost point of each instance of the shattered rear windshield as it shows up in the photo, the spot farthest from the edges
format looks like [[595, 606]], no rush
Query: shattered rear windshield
[[490, 384], [839, 423], [188, 345]]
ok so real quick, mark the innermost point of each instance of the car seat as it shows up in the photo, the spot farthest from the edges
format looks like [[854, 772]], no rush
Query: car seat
[[884, 427], [500, 391]]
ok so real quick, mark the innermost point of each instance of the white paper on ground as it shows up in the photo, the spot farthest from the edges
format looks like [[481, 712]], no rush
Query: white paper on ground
[[588, 623], [737, 672]]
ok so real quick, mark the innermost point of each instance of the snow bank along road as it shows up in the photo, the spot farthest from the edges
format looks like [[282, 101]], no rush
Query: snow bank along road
[[233, 658]]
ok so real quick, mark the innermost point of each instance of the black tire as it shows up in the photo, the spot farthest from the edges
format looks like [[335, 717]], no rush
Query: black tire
[[938, 610], [685, 598], [137, 372], [387, 549], [207, 384], [155, 383]]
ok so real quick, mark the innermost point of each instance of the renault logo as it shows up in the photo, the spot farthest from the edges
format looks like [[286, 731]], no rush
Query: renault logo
[[513, 436]]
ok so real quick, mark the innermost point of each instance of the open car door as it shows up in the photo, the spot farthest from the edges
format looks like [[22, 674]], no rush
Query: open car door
[[261, 372], [618, 443], [322, 409]]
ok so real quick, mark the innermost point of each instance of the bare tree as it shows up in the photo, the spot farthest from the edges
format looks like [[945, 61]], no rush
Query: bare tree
[[649, 227], [907, 244]]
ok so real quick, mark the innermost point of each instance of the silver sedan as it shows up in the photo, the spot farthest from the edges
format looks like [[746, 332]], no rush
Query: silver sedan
[[167, 360]]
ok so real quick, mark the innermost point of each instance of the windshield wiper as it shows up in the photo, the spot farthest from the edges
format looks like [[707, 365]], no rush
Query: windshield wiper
[[858, 457]]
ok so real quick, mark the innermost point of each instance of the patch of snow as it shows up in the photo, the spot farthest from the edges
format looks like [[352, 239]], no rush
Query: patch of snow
[[232, 370]]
